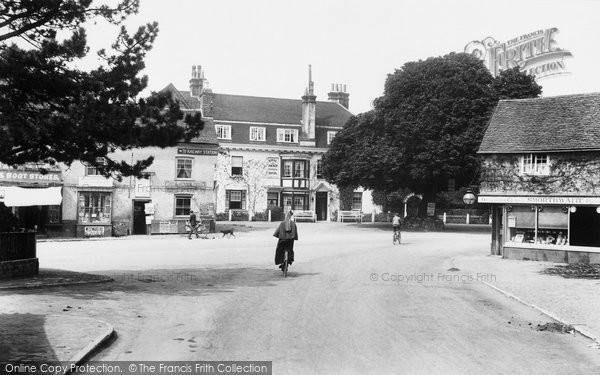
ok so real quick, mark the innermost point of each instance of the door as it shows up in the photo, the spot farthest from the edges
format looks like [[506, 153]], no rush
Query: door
[[321, 206], [139, 218]]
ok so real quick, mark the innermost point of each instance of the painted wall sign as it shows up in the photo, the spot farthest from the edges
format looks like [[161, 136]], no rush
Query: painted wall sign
[[196, 151], [93, 231], [536, 53], [16, 175], [540, 200], [272, 167]]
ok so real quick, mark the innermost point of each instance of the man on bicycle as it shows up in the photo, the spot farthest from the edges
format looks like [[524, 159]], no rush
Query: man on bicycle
[[396, 225]]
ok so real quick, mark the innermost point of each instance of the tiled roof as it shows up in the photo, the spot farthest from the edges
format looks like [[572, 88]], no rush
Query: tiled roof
[[562, 123], [227, 107], [207, 135]]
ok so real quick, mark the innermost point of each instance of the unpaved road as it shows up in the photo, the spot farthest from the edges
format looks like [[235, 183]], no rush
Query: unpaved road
[[352, 304]]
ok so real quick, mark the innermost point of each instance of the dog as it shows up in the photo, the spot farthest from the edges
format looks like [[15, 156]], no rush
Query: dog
[[228, 233]]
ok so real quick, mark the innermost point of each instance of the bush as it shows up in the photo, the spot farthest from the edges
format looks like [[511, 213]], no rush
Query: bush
[[222, 216], [261, 216], [419, 223], [240, 216], [276, 213], [334, 215], [8, 221]]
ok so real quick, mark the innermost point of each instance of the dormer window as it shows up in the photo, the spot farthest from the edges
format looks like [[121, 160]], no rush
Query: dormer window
[[535, 164]]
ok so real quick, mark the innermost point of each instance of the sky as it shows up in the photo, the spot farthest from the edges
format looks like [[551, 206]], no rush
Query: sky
[[264, 47]]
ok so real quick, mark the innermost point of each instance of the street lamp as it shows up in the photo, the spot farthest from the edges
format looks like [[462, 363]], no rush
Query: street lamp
[[469, 197]]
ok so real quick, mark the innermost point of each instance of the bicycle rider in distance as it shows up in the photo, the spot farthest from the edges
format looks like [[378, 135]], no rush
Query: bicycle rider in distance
[[396, 225]]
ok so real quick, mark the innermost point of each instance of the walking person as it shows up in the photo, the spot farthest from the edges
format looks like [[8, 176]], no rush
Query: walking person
[[287, 234], [193, 225]]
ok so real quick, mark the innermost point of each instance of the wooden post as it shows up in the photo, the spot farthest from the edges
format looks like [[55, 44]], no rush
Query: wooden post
[[467, 218], [230, 214], [444, 218], [269, 215]]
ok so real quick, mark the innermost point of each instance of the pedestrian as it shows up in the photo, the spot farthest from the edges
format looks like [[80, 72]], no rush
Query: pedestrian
[[193, 225], [396, 225], [287, 234]]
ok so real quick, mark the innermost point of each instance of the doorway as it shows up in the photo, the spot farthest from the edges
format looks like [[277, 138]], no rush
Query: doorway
[[585, 227], [139, 217], [321, 206]]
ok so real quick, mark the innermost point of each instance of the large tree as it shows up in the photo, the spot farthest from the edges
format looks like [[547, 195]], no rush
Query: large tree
[[51, 111], [425, 129]]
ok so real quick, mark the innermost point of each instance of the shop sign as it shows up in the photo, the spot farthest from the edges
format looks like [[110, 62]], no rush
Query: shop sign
[[16, 175], [540, 200], [536, 53], [430, 209], [196, 151], [272, 167], [93, 231]]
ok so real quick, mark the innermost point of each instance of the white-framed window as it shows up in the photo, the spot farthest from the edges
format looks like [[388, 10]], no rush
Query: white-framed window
[[357, 200], [183, 203], [237, 165], [235, 199], [535, 164], [287, 135], [91, 170], [257, 133], [319, 168], [330, 136], [184, 168], [223, 131]]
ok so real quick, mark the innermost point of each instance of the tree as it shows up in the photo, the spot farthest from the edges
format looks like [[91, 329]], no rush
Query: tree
[[425, 129], [51, 111]]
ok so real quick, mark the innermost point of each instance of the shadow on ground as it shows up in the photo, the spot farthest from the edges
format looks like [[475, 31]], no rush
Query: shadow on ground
[[16, 344], [182, 282]]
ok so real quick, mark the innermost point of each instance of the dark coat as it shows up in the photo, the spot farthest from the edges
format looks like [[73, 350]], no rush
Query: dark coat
[[283, 235], [286, 242]]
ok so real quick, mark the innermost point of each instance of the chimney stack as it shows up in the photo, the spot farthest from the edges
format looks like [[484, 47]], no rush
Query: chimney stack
[[339, 94], [309, 108]]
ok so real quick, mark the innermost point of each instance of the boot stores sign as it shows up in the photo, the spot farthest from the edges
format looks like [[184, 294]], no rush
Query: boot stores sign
[[536, 53]]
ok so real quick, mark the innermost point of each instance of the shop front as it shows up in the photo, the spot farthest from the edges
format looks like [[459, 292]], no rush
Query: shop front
[[548, 228], [34, 197]]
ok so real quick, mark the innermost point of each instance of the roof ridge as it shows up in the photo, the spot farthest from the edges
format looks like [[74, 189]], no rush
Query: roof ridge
[[551, 97]]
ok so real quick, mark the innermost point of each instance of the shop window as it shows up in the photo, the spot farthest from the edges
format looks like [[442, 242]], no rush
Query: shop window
[[330, 136], [287, 135], [538, 224], [535, 164], [357, 200], [183, 204], [319, 168], [92, 170], [184, 168], [237, 165], [94, 207], [235, 199], [54, 214], [257, 133], [223, 131]]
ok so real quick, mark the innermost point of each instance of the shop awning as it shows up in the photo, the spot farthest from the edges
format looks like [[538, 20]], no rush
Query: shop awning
[[14, 196]]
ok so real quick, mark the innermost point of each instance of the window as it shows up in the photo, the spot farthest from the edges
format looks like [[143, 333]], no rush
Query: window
[[184, 168], [91, 170], [257, 133], [54, 214], [357, 201], [319, 168], [272, 199], [94, 208], [287, 168], [300, 169], [237, 165], [235, 199], [183, 203], [330, 135], [535, 164], [223, 131], [287, 135]]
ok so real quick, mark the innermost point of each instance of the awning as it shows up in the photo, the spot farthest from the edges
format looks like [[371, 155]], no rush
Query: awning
[[14, 196]]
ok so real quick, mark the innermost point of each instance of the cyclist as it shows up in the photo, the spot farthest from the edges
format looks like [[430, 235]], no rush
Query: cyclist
[[396, 225], [193, 225], [287, 234]]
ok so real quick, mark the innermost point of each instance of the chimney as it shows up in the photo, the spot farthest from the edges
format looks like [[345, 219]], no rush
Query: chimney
[[196, 82], [309, 106], [339, 94]]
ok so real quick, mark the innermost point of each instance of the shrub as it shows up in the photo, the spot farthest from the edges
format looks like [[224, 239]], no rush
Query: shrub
[[8, 221], [419, 223], [276, 213], [261, 216], [239, 216], [222, 216]]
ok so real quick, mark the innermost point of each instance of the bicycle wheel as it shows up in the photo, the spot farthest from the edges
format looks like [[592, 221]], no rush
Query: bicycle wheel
[[285, 264]]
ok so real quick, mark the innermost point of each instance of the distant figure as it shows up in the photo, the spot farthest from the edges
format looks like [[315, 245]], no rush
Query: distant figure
[[396, 222], [287, 234], [193, 225]]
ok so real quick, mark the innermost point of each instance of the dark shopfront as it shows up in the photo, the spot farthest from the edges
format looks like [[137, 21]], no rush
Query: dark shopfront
[[34, 197], [558, 229]]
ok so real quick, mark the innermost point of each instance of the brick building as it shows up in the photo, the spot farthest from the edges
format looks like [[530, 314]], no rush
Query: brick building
[[271, 148]]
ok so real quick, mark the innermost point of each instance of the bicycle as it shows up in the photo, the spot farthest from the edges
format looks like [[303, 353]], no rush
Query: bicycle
[[397, 237], [284, 266]]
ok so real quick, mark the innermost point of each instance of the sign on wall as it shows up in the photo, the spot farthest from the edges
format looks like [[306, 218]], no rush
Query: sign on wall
[[16, 175], [536, 53], [94, 231], [196, 151], [272, 167]]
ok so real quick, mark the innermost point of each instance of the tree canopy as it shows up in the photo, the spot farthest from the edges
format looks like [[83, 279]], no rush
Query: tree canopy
[[51, 111], [425, 129]]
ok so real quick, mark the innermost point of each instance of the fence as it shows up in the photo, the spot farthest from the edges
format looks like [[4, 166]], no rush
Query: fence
[[17, 246]]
